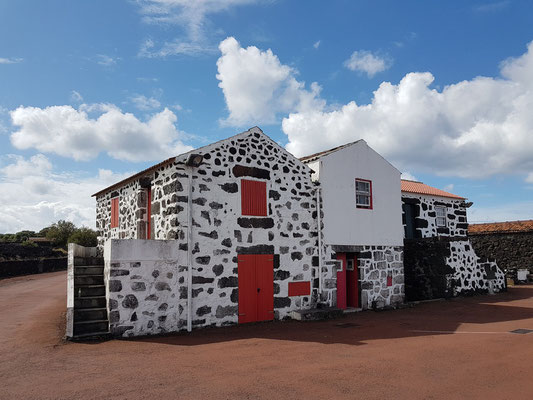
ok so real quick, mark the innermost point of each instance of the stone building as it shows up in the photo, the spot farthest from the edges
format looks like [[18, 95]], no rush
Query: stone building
[[362, 232], [440, 260], [236, 229]]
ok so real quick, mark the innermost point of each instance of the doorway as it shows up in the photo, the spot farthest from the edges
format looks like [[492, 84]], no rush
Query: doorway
[[409, 211], [256, 287], [348, 290]]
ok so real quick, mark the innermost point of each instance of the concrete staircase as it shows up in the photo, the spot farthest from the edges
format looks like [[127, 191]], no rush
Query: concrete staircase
[[90, 312]]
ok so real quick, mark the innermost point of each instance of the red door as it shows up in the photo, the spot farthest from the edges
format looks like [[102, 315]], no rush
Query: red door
[[352, 284], [256, 287], [341, 282]]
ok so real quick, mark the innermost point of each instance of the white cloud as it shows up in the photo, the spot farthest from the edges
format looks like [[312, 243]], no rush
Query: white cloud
[[10, 60], [71, 132], [33, 197], [473, 128], [76, 97], [529, 178], [449, 188], [145, 103], [408, 176], [105, 60], [257, 86], [316, 45], [365, 61], [492, 7], [192, 16], [37, 165]]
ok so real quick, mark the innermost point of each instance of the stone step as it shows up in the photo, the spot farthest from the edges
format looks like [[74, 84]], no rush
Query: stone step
[[88, 280], [90, 314], [88, 261], [91, 327], [103, 335], [89, 270], [89, 302], [89, 291], [316, 314]]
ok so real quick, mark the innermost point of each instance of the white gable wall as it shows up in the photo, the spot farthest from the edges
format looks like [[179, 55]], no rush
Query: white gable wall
[[344, 224]]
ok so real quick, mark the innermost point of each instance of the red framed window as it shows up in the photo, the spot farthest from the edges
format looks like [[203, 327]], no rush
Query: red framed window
[[363, 193], [253, 198], [114, 212]]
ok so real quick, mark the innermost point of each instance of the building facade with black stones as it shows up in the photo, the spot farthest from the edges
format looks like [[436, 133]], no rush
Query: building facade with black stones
[[252, 246], [440, 261]]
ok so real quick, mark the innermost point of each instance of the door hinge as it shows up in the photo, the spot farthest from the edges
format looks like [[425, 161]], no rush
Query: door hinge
[[240, 315]]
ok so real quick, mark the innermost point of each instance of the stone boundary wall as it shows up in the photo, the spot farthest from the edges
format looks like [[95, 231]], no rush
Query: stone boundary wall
[[511, 250], [9, 269]]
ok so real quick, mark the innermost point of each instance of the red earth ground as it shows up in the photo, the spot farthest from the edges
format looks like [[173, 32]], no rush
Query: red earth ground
[[460, 349]]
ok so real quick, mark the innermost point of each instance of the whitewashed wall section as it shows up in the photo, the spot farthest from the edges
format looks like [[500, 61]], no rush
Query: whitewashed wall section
[[470, 275]]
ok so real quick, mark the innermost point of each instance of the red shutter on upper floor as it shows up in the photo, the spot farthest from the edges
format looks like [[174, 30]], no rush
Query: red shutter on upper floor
[[114, 212], [253, 198]]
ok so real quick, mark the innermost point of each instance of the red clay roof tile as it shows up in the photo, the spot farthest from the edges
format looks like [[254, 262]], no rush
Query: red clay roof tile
[[420, 188]]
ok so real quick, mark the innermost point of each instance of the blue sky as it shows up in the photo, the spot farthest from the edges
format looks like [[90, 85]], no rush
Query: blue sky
[[91, 91]]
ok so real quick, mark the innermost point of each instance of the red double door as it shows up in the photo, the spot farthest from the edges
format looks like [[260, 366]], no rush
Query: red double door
[[347, 281], [256, 287]]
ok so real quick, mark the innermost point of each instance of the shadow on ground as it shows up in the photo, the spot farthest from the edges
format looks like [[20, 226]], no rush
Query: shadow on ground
[[440, 317]]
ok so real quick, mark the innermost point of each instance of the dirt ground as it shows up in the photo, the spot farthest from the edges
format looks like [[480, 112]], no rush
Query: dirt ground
[[460, 349]]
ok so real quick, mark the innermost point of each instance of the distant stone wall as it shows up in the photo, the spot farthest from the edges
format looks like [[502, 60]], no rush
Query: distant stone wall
[[13, 268], [426, 217], [510, 250], [446, 267]]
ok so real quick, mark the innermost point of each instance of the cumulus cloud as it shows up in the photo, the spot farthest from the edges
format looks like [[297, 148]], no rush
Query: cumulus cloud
[[316, 45], [73, 133], [192, 16], [33, 196], [529, 177], [366, 62], [257, 86], [408, 176], [473, 128]]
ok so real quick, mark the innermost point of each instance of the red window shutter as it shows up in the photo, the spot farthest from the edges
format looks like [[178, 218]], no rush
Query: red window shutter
[[114, 212], [253, 198]]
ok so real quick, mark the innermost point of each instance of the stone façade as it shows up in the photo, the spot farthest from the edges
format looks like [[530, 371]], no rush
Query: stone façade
[[220, 232]]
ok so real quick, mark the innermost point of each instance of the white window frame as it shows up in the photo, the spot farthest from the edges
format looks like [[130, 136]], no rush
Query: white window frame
[[440, 220], [363, 193]]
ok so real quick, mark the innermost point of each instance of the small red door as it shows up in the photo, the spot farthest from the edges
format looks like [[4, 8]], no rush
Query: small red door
[[341, 282], [352, 283], [256, 287]]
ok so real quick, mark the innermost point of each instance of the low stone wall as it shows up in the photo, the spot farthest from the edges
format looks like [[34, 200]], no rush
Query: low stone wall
[[511, 250], [146, 287], [13, 268]]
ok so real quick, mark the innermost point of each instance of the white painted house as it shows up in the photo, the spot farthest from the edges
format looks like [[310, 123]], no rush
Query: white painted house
[[362, 224]]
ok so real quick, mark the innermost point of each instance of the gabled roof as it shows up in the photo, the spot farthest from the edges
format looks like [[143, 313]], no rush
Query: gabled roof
[[181, 158], [316, 156], [501, 227], [421, 188]]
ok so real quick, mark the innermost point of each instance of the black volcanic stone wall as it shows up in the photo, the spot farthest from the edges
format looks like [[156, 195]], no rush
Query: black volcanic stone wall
[[510, 250], [426, 270]]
